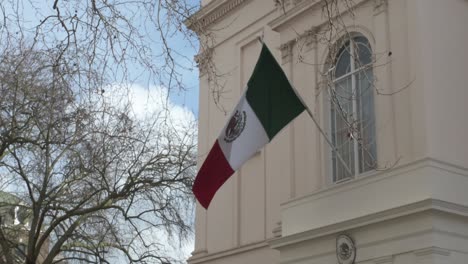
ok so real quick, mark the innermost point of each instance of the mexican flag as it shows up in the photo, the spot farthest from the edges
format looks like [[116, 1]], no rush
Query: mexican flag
[[268, 104]]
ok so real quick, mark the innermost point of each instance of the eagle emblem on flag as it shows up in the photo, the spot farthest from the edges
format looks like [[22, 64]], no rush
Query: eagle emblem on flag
[[235, 126]]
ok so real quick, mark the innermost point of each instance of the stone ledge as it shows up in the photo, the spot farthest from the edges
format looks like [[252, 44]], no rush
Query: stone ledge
[[201, 257], [421, 185]]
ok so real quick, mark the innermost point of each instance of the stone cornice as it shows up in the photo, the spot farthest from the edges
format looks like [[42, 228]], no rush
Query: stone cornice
[[438, 167], [378, 175], [432, 251], [226, 253], [212, 12], [433, 205], [384, 260], [290, 9]]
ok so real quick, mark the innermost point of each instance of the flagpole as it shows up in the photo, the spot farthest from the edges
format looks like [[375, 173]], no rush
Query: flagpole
[[334, 149]]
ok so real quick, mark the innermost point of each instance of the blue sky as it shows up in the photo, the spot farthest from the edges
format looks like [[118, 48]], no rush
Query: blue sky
[[187, 49], [188, 98]]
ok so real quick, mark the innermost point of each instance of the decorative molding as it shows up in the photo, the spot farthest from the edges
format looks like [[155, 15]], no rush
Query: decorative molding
[[199, 252], [306, 41], [287, 51], [302, 6], [309, 39], [380, 6], [277, 230], [452, 234], [290, 9], [211, 13], [225, 253], [432, 251], [393, 201], [409, 209], [376, 176], [285, 5], [384, 260], [204, 61], [281, 5]]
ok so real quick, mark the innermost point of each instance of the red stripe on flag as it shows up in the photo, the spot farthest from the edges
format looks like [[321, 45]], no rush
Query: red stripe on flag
[[212, 174]]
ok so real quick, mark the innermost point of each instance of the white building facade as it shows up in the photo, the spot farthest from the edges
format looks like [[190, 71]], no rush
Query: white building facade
[[387, 82]]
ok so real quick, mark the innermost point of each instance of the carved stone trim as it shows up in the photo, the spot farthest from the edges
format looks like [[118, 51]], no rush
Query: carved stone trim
[[204, 61], [277, 230], [199, 252], [380, 6], [287, 51], [384, 260], [305, 41], [282, 5], [211, 13], [285, 5], [309, 38], [432, 251], [290, 9], [212, 257]]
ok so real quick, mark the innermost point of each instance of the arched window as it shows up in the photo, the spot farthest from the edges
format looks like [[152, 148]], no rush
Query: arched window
[[352, 116]]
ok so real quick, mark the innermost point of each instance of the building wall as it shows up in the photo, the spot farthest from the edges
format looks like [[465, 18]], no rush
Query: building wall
[[282, 203], [420, 238], [15, 226]]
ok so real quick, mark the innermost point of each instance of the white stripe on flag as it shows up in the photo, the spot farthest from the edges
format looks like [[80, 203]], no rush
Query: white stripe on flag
[[252, 138]]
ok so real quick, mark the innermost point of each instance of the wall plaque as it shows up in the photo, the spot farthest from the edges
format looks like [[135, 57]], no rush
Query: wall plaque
[[345, 250]]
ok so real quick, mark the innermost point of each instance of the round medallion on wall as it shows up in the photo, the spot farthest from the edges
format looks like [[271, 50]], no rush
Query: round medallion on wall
[[345, 250]]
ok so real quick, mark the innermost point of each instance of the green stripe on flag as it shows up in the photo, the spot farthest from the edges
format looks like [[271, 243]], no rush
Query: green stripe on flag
[[271, 96]]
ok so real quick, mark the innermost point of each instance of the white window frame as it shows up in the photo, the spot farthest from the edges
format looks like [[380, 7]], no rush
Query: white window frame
[[355, 69]]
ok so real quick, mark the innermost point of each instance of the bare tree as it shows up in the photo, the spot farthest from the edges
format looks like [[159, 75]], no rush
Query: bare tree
[[95, 180], [104, 41], [96, 183]]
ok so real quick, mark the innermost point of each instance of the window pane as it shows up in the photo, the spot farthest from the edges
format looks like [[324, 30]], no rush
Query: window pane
[[342, 115], [361, 40], [366, 120], [343, 62], [363, 51]]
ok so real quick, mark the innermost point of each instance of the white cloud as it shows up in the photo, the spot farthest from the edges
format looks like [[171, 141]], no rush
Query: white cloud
[[145, 103], [149, 105], [154, 100]]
